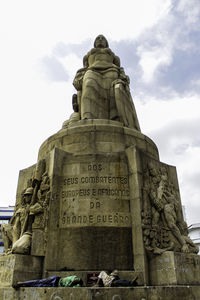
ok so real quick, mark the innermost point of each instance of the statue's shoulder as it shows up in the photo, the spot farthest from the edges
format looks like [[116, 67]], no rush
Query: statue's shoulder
[[100, 50], [109, 51], [85, 58], [93, 51], [117, 61]]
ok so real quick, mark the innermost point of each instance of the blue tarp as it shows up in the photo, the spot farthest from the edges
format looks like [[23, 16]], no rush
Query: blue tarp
[[47, 282]]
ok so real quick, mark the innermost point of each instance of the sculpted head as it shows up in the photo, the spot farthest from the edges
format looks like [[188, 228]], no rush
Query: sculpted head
[[28, 195], [101, 42]]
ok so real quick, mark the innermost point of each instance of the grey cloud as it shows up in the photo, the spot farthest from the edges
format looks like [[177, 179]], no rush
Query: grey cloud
[[176, 137], [183, 71], [62, 49], [127, 51], [181, 128], [192, 213], [176, 33], [194, 180], [174, 140], [182, 41], [178, 78], [53, 69], [191, 183], [180, 149], [196, 143], [190, 10]]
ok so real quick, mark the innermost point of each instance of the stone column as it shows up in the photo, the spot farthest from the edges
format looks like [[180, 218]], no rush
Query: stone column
[[135, 182]]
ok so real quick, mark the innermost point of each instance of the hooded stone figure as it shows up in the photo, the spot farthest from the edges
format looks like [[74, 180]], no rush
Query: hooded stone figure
[[103, 87]]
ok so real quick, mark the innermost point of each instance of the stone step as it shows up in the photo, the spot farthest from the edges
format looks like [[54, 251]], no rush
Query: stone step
[[136, 293], [88, 277]]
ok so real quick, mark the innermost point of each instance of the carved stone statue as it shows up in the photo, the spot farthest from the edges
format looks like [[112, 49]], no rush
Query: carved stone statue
[[20, 222], [103, 87], [164, 215], [18, 233], [43, 197]]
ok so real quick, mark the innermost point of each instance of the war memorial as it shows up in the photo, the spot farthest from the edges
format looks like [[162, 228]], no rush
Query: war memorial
[[99, 198]]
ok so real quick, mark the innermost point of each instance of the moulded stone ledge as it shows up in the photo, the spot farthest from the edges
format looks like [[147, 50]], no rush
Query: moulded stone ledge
[[126, 293], [94, 134]]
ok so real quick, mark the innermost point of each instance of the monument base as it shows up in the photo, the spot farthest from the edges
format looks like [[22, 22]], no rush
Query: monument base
[[136, 293], [18, 267], [87, 276], [175, 268]]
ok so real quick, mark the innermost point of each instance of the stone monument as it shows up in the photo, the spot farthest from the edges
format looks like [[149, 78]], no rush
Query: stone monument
[[99, 198]]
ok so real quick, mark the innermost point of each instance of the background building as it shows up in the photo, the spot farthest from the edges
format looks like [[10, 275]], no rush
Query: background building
[[5, 215], [194, 233], [7, 212]]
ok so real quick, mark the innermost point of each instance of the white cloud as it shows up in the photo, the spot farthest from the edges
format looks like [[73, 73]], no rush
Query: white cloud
[[190, 9], [195, 82], [53, 69], [154, 113], [33, 107], [174, 126], [72, 63], [151, 60], [47, 21]]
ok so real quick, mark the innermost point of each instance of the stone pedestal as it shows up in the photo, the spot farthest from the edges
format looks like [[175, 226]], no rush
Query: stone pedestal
[[138, 293], [87, 276], [172, 268], [17, 267], [95, 218], [100, 199], [98, 216], [98, 136]]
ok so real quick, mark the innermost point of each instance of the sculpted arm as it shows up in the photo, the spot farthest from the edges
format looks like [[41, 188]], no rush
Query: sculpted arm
[[16, 227], [123, 78], [116, 61], [78, 80], [85, 61], [122, 74]]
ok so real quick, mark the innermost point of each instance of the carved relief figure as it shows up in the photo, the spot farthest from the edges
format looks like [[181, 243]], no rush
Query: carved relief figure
[[43, 197], [21, 222], [165, 214], [17, 234], [103, 87]]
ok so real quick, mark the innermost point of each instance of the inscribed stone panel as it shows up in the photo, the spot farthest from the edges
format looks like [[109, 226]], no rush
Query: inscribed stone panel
[[94, 191]]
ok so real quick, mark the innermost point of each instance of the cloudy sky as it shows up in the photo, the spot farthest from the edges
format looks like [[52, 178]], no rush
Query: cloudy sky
[[42, 44]]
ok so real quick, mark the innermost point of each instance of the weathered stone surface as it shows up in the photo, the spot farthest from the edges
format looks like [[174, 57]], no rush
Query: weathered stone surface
[[173, 268], [162, 219], [137, 293], [92, 214], [99, 136], [135, 168], [103, 87], [38, 243], [24, 177], [103, 201], [18, 267], [31, 210]]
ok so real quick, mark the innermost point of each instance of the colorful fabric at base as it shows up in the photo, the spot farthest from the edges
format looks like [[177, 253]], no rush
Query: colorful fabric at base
[[107, 279], [122, 282], [47, 282], [70, 281]]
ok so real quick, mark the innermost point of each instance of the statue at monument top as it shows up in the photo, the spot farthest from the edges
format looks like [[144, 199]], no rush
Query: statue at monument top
[[103, 87]]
